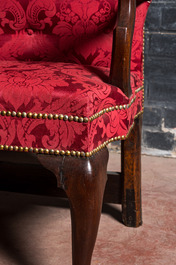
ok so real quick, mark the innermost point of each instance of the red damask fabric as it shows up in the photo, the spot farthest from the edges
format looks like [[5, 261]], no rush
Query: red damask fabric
[[54, 59], [78, 31], [68, 89]]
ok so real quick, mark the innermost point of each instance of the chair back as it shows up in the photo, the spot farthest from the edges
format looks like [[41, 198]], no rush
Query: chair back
[[57, 30]]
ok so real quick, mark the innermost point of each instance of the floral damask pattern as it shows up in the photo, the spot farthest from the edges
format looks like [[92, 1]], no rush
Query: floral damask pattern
[[22, 84], [62, 88], [55, 57], [77, 31], [35, 8], [12, 16]]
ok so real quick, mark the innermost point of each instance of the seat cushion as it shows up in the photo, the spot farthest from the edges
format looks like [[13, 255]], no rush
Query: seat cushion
[[61, 107]]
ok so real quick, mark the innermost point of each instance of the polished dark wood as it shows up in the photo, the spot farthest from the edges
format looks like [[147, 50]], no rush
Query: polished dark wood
[[122, 41], [131, 147], [121, 52], [83, 180], [35, 179], [131, 174]]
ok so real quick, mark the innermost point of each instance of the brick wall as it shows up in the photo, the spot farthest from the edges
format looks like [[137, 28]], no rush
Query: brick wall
[[159, 123]]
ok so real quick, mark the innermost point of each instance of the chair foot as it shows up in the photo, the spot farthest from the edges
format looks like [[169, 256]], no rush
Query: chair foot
[[131, 172], [83, 180]]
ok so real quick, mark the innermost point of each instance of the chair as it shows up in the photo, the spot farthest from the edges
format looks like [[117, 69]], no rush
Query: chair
[[63, 99]]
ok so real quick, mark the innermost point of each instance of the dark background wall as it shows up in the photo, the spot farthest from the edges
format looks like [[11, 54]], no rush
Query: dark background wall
[[159, 123]]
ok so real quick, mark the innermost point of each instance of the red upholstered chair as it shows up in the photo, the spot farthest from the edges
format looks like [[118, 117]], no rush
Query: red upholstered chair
[[64, 99]]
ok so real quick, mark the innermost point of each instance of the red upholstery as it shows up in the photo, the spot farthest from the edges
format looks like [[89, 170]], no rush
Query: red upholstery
[[72, 30], [43, 47]]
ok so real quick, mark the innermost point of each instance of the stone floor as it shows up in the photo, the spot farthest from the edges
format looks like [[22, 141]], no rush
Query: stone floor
[[35, 230]]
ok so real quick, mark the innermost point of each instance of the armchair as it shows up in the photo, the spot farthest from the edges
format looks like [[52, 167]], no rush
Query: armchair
[[63, 99]]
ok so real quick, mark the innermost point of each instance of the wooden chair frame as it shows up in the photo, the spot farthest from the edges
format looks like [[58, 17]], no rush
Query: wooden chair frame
[[84, 179]]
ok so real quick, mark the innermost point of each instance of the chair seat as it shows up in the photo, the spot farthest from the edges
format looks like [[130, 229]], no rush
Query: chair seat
[[56, 107]]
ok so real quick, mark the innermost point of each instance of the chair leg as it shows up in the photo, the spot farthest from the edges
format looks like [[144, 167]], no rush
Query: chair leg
[[85, 190], [83, 180], [131, 172]]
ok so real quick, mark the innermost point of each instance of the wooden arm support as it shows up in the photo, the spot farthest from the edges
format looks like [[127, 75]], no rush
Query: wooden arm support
[[121, 51]]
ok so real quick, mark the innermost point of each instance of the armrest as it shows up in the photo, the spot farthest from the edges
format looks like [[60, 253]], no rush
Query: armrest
[[121, 51]]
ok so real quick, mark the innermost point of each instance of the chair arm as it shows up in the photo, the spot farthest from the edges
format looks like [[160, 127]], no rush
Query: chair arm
[[122, 40]]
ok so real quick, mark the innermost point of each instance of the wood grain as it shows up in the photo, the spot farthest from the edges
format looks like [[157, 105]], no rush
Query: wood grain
[[131, 173]]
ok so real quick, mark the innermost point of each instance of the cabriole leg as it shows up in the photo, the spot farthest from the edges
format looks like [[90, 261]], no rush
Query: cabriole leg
[[85, 185], [83, 180]]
